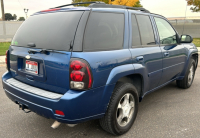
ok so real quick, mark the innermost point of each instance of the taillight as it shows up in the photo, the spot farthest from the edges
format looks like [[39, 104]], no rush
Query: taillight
[[80, 74], [6, 59]]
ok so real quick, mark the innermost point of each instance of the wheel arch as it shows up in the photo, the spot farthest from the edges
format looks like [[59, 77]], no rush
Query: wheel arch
[[135, 79], [195, 56], [193, 53], [127, 73]]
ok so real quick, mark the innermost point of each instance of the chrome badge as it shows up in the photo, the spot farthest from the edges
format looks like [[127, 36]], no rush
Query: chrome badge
[[27, 57]]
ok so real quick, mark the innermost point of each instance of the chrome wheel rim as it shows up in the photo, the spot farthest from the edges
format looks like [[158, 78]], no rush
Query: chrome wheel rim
[[125, 109], [191, 75]]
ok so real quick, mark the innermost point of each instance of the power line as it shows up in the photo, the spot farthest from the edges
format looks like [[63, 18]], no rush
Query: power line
[[20, 4]]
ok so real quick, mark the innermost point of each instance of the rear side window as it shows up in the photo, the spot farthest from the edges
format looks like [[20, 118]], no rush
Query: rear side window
[[146, 30], [166, 32], [135, 32], [49, 30], [104, 31]]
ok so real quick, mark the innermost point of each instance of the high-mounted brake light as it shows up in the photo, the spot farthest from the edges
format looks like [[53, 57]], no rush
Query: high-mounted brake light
[[80, 75], [49, 10]]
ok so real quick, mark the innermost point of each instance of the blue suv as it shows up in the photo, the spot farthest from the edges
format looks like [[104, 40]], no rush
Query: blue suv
[[76, 64]]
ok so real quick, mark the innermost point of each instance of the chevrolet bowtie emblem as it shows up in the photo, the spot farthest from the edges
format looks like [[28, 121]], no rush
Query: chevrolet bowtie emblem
[[28, 57]]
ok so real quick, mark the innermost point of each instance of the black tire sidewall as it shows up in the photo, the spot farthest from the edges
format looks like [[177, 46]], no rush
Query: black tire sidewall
[[127, 88]]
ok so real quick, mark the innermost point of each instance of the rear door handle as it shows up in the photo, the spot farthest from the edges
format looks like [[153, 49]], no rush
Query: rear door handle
[[140, 58], [166, 54]]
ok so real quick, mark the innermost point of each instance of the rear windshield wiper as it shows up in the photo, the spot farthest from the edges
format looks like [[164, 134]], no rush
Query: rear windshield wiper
[[43, 51]]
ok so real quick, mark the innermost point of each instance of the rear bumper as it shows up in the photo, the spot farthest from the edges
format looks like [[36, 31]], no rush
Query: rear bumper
[[77, 106]]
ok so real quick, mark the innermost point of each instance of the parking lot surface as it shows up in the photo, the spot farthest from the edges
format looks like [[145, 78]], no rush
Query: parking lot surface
[[167, 112]]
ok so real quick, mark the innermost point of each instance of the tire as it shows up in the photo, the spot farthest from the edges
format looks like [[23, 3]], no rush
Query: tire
[[129, 108], [189, 76]]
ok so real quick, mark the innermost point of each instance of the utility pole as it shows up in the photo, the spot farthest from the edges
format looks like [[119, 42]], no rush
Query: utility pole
[[2, 11], [3, 18]]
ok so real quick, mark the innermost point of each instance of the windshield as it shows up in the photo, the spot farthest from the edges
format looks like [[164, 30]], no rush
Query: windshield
[[48, 31]]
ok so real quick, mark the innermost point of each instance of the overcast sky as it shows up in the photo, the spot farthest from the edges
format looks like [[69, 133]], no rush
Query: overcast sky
[[167, 8]]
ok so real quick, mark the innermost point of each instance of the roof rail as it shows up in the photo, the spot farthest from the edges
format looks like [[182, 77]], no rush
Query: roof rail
[[103, 5], [79, 4], [100, 4]]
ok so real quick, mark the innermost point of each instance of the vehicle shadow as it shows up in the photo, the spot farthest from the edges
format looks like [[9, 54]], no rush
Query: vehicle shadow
[[153, 103]]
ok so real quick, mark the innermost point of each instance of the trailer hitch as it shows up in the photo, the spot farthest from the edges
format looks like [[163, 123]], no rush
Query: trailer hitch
[[24, 108]]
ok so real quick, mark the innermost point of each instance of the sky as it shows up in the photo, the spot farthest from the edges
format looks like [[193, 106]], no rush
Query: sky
[[167, 8]]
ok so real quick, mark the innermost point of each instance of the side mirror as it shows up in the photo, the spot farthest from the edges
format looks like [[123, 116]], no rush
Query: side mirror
[[186, 39]]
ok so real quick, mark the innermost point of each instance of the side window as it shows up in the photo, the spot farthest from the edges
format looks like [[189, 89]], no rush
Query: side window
[[166, 32], [135, 32], [146, 30], [104, 31]]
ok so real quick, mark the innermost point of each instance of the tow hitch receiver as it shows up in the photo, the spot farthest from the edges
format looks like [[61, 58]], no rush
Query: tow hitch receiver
[[23, 107]]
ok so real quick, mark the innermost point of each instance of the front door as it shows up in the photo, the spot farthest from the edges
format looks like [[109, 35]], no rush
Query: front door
[[174, 54]]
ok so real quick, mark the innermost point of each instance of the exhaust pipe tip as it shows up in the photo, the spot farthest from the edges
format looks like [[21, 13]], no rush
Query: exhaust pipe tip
[[71, 125], [55, 125]]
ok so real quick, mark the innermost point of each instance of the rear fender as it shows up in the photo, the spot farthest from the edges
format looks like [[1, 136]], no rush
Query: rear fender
[[129, 69], [119, 72], [115, 75]]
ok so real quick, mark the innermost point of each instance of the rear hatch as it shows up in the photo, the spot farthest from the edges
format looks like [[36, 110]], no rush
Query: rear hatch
[[40, 50]]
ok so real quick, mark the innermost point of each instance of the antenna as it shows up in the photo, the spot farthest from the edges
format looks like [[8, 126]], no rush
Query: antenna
[[184, 19]]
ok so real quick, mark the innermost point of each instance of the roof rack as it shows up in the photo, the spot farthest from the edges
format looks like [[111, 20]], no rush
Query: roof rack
[[103, 5], [79, 4], [100, 4]]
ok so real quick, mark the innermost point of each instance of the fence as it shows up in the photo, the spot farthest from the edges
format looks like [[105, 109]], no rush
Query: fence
[[192, 27], [8, 29]]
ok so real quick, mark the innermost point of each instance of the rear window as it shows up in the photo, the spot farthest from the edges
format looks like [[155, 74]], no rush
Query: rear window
[[104, 31], [49, 31], [146, 30]]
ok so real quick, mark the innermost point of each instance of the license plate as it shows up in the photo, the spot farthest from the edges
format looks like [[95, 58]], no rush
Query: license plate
[[32, 66]]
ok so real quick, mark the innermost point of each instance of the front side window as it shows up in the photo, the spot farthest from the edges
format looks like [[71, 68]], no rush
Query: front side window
[[104, 31], [166, 32], [146, 30]]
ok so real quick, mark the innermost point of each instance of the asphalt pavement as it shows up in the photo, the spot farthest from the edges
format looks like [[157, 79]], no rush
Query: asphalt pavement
[[167, 112]]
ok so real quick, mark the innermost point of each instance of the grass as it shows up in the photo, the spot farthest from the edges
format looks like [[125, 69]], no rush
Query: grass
[[3, 47], [196, 41]]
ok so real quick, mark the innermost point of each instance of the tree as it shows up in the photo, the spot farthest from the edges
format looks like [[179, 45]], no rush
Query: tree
[[78, 1], [21, 19], [138, 4], [131, 3], [14, 17], [8, 17], [195, 4]]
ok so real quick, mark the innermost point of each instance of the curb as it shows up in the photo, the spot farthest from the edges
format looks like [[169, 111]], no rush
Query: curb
[[2, 59]]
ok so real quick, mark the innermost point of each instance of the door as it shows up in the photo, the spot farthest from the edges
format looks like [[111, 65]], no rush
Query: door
[[174, 54], [146, 53]]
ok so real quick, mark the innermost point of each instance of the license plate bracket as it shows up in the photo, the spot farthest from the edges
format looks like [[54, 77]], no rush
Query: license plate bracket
[[31, 66]]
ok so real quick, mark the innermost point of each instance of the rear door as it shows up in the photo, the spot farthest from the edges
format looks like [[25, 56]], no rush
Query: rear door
[[174, 54], [40, 50], [145, 51]]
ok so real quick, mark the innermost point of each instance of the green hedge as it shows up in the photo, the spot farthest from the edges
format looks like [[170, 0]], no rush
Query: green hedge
[[3, 48]]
